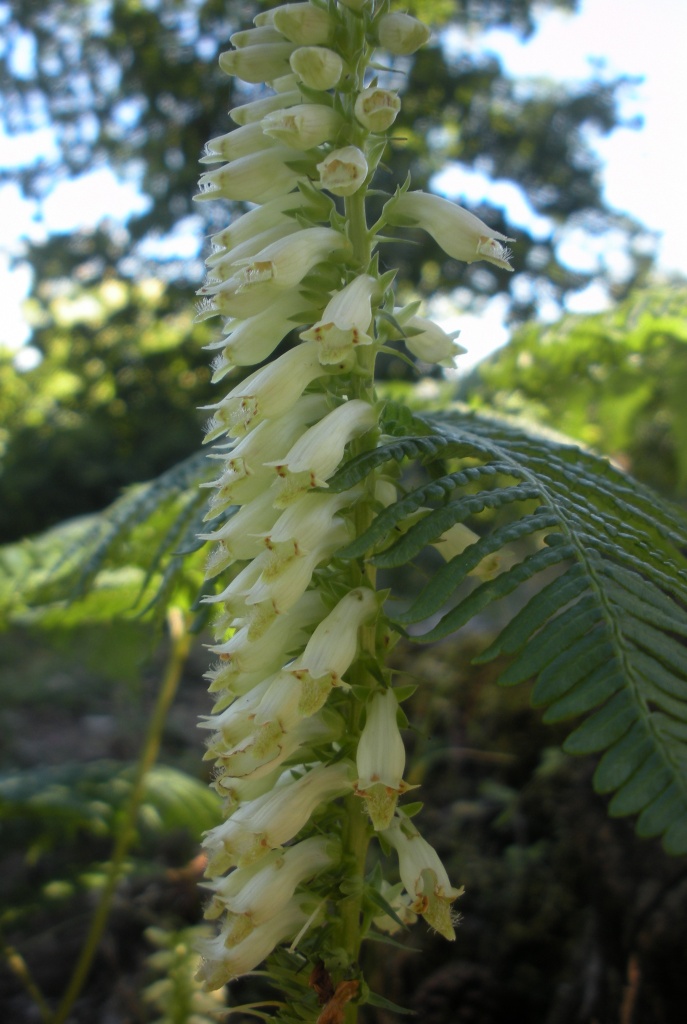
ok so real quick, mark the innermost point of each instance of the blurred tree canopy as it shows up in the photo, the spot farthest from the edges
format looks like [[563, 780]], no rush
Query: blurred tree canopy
[[615, 381], [134, 85]]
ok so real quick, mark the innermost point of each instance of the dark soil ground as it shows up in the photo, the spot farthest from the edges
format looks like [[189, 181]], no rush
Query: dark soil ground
[[568, 918]]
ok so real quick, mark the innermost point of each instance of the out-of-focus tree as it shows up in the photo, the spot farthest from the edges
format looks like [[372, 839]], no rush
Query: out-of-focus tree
[[615, 380], [113, 400], [134, 85]]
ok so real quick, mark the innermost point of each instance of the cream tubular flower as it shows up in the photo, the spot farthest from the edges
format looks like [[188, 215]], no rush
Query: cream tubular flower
[[424, 877], [244, 663], [225, 267], [317, 67], [235, 144], [430, 343], [279, 592], [381, 759], [253, 223], [304, 24], [302, 126], [345, 321], [261, 891], [255, 36], [334, 643], [317, 453], [401, 34], [459, 233], [257, 63], [271, 391], [271, 820], [377, 109], [252, 340], [257, 177], [221, 964], [246, 113], [343, 171], [303, 523], [246, 471], [234, 541], [285, 263]]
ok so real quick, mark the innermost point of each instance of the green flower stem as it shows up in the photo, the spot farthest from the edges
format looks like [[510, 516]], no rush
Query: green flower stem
[[19, 967], [180, 644]]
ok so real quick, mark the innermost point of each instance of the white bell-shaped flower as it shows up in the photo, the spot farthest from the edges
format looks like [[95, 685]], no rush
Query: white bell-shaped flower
[[247, 113], [318, 452], [257, 177], [343, 171], [302, 126], [221, 964], [424, 876], [381, 759], [256, 63], [376, 108], [345, 321], [459, 233], [269, 392], [271, 820]]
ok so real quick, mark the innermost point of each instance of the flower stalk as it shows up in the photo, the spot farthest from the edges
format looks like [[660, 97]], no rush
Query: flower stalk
[[305, 733]]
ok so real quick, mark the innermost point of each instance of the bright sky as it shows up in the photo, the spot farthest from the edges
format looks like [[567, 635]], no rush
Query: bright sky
[[643, 173]]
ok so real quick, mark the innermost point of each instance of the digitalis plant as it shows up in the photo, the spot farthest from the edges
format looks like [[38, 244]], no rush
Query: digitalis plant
[[305, 735], [309, 500]]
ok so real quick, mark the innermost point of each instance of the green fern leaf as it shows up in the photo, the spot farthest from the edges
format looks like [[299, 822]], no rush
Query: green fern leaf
[[602, 621]]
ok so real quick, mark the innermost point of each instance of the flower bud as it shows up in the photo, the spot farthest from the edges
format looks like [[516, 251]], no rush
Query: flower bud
[[377, 109], [343, 171], [317, 67], [429, 342], [260, 63], [381, 759], [345, 321], [304, 24], [402, 34], [302, 126], [459, 233], [424, 877]]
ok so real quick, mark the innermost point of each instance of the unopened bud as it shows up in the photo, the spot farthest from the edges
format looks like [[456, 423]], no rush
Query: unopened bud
[[303, 24], [317, 67], [401, 34]]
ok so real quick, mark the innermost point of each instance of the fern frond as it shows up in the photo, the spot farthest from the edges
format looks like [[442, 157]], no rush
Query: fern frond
[[598, 565]]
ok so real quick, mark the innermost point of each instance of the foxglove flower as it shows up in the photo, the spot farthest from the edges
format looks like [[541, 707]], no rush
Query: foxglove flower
[[459, 233], [381, 760]]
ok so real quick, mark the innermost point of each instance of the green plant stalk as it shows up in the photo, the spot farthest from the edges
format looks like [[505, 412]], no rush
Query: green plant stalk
[[19, 967], [180, 644]]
